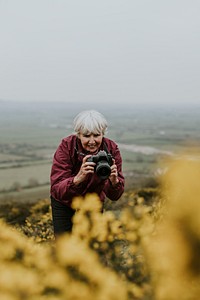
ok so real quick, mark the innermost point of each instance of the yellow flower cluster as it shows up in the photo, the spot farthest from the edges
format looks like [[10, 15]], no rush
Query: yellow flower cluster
[[116, 238], [67, 270], [38, 225], [173, 250], [70, 267]]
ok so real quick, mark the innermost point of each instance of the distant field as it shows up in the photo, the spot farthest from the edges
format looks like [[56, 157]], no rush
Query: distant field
[[26, 195], [138, 162], [4, 158], [24, 175]]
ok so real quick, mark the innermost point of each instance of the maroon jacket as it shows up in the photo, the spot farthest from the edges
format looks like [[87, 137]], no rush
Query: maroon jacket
[[66, 164]]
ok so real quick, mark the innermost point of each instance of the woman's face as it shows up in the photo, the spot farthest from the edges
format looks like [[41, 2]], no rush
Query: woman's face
[[91, 142]]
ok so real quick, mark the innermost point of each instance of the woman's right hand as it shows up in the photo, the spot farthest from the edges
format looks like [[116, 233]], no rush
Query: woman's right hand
[[85, 169]]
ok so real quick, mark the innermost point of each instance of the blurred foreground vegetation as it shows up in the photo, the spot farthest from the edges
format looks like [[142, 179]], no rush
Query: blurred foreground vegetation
[[146, 246]]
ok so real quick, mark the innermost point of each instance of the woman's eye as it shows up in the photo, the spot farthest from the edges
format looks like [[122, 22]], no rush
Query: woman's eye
[[88, 135]]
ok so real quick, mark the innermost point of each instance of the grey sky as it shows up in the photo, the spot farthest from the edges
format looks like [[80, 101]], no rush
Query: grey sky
[[144, 51]]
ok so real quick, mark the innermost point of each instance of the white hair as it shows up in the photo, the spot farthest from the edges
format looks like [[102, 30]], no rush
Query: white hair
[[90, 121]]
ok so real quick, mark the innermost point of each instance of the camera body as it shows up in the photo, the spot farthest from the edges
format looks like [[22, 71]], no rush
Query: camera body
[[103, 161]]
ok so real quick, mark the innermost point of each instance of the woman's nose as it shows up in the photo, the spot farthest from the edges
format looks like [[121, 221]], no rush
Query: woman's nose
[[91, 140]]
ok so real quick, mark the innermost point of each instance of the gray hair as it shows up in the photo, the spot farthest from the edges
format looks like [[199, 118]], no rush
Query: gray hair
[[90, 121]]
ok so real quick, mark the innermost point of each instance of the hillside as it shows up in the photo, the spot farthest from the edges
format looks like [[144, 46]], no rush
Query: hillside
[[145, 246]]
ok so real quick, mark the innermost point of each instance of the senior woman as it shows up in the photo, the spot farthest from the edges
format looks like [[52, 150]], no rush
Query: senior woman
[[74, 173]]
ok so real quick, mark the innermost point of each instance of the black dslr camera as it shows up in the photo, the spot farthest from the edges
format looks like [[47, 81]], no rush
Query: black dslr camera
[[103, 162]]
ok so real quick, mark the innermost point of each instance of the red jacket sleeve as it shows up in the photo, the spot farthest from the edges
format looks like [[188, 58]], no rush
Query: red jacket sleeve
[[62, 186]]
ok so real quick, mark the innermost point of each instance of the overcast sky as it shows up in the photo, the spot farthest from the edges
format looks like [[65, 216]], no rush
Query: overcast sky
[[139, 51]]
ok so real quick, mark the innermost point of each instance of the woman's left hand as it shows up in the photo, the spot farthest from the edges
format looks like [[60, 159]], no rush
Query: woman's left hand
[[114, 174]]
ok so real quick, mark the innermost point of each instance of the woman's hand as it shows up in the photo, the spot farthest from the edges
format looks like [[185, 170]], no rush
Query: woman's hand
[[114, 174], [85, 169]]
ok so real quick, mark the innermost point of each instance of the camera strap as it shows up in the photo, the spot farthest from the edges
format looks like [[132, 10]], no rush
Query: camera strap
[[77, 151], [105, 148]]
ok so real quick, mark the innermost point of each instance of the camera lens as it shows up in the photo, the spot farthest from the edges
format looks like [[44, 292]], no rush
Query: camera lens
[[103, 170]]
